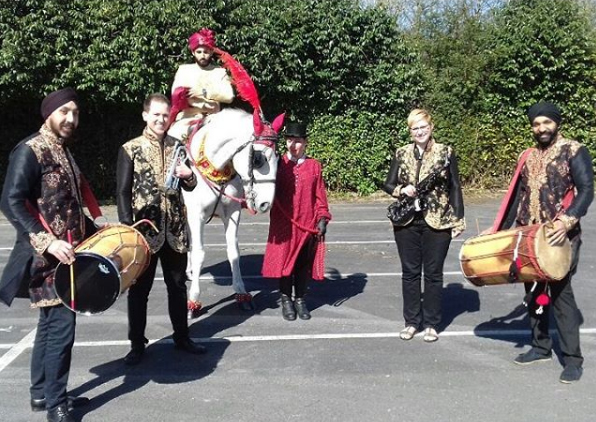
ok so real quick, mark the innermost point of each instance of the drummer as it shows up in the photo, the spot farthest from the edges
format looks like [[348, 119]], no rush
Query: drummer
[[41, 173], [551, 173]]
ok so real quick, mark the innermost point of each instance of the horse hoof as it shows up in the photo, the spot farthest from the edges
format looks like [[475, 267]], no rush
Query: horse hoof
[[194, 309], [246, 306], [244, 301]]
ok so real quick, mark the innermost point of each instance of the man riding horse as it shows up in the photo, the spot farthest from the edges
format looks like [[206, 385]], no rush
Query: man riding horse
[[199, 88], [197, 93]]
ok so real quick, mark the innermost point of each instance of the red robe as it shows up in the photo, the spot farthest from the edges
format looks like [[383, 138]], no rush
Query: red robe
[[300, 195]]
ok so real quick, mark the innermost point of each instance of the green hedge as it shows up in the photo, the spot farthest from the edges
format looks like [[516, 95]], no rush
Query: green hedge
[[354, 72]]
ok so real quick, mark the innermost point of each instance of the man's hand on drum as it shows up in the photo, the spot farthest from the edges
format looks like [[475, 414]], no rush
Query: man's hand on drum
[[557, 234], [62, 250], [409, 191]]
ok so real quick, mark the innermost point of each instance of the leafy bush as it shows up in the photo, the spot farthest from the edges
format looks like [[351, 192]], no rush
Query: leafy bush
[[354, 72], [355, 150]]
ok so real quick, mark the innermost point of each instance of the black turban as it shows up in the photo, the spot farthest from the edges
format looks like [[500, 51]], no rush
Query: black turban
[[57, 99], [545, 109]]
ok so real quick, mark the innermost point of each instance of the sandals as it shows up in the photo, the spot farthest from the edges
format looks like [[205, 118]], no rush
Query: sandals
[[430, 335], [408, 333]]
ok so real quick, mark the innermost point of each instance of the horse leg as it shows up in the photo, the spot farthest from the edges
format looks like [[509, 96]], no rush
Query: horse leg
[[231, 224], [197, 256]]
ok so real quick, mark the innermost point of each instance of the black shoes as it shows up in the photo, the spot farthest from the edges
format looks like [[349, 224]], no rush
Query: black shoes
[[532, 356], [571, 373], [190, 346], [135, 355], [287, 308], [301, 308], [60, 414], [39, 405]]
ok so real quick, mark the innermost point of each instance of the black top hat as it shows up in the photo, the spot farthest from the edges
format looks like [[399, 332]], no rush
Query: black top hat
[[295, 130]]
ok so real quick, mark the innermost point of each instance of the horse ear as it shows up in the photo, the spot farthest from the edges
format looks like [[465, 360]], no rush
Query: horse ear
[[257, 123], [278, 122]]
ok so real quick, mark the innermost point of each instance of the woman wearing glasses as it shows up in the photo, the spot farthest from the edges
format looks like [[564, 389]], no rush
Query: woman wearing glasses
[[425, 172]]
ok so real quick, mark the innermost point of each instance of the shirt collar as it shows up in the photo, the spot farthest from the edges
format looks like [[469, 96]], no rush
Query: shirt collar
[[149, 135], [48, 134], [298, 161]]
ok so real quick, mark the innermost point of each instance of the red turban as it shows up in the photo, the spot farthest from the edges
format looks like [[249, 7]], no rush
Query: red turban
[[204, 37]]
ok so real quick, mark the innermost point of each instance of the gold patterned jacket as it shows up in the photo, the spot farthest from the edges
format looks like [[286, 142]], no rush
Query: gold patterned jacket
[[142, 168], [444, 204], [42, 180], [548, 175]]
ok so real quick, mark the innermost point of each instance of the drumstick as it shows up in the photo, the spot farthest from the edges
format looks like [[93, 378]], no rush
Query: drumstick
[[72, 291]]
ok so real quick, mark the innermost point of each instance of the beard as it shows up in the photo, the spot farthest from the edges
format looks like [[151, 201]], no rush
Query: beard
[[545, 139], [64, 131], [204, 62]]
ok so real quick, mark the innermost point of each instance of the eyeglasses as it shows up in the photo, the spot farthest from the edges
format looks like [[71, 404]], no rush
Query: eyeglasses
[[423, 128]]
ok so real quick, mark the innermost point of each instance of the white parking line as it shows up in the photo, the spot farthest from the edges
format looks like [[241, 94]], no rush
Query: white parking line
[[17, 349], [28, 340]]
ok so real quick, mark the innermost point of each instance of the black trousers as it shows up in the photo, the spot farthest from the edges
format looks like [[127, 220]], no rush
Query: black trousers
[[422, 249], [301, 273], [173, 265], [566, 316], [51, 355]]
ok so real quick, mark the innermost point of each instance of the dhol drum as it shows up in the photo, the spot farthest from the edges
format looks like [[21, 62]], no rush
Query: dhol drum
[[488, 259], [106, 264]]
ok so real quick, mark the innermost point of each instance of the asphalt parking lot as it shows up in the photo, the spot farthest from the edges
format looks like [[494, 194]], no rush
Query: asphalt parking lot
[[346, 364]]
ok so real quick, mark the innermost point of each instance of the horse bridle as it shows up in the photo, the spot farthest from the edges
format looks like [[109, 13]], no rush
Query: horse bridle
[[268, 141]]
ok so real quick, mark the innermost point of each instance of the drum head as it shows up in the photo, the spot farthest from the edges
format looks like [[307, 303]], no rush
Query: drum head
[[96, 283], [554, 260]]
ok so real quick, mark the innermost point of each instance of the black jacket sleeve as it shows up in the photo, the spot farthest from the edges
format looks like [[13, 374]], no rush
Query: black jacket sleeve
[[22, 185], [456, 198], [391, 180], [124, 179], [583, 178]]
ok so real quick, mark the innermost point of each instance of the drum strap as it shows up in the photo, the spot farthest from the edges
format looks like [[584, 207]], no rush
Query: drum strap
[[506, 202], [89, 198]]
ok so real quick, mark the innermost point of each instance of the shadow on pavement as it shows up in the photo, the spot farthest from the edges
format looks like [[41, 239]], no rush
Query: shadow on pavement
[[458, 300], [515, 321], [162, 364], [336, 289]]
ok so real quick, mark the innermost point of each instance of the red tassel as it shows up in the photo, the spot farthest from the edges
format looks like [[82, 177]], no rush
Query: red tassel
[[542, 299], [244, 84]]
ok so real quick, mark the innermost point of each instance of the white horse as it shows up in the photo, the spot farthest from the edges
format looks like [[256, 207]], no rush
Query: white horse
[[236, 164]]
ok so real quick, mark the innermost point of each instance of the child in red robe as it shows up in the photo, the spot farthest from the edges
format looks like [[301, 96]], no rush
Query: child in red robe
[[298, 222]]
